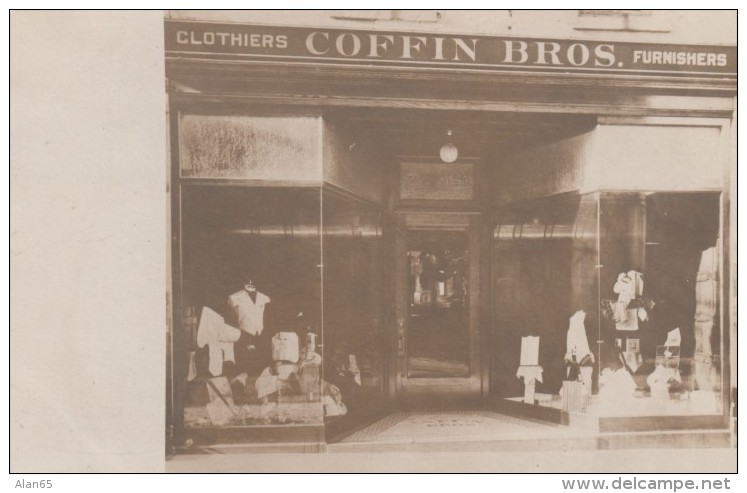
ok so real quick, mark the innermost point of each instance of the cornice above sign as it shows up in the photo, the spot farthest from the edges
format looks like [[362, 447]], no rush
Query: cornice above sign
[[238, 42]]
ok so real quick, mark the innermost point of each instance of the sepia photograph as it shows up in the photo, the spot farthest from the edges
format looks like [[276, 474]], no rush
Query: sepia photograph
[[450, 230], [439, 241]]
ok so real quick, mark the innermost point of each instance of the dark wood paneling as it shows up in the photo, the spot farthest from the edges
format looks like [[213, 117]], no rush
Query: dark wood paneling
[[485, 325], [388, 318], [476, 299], [399, 331]]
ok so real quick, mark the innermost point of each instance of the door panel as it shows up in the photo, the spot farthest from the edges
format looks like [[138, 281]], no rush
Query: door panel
[[437, 308]]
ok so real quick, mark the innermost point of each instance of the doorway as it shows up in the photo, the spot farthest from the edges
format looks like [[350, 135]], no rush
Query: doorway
[[438, 306]]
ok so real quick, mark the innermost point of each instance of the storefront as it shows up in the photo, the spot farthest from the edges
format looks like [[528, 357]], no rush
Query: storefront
[[371, 220]]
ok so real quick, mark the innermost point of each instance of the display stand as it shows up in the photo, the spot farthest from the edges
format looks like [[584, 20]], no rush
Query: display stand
[[531, 375]]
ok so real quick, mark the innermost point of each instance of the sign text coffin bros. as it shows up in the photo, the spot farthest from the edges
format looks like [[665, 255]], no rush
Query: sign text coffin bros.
[[192, 39]]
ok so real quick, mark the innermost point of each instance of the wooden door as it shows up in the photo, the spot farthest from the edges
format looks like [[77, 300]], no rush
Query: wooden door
[[437, 296]]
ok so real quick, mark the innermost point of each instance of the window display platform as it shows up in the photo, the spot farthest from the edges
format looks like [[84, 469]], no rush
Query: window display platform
[[690, 410], [290, 411], [238, 439]]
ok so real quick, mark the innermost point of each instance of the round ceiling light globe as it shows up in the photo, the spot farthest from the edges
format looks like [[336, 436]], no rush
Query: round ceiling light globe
[[449, 153]]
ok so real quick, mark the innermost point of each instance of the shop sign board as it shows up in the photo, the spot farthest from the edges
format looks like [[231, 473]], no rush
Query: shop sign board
[[312, 45]]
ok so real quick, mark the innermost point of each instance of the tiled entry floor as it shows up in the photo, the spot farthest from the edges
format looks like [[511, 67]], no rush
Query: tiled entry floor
[[480, 430], [450, 426]]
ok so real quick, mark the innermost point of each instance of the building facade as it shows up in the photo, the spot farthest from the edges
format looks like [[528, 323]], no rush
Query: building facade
[[527, 211]]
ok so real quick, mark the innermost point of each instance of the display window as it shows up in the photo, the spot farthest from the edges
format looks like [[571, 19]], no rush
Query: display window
[[251, 306], [354, 341], [278, 293], [608, 304], [660, 296]]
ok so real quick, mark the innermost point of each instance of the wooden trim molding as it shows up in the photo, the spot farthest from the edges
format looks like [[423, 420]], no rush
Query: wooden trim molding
[[370, 76], [630, 106]]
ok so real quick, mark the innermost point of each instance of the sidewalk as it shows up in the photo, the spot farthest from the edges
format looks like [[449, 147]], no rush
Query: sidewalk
[[479, 441], [612, 461]]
